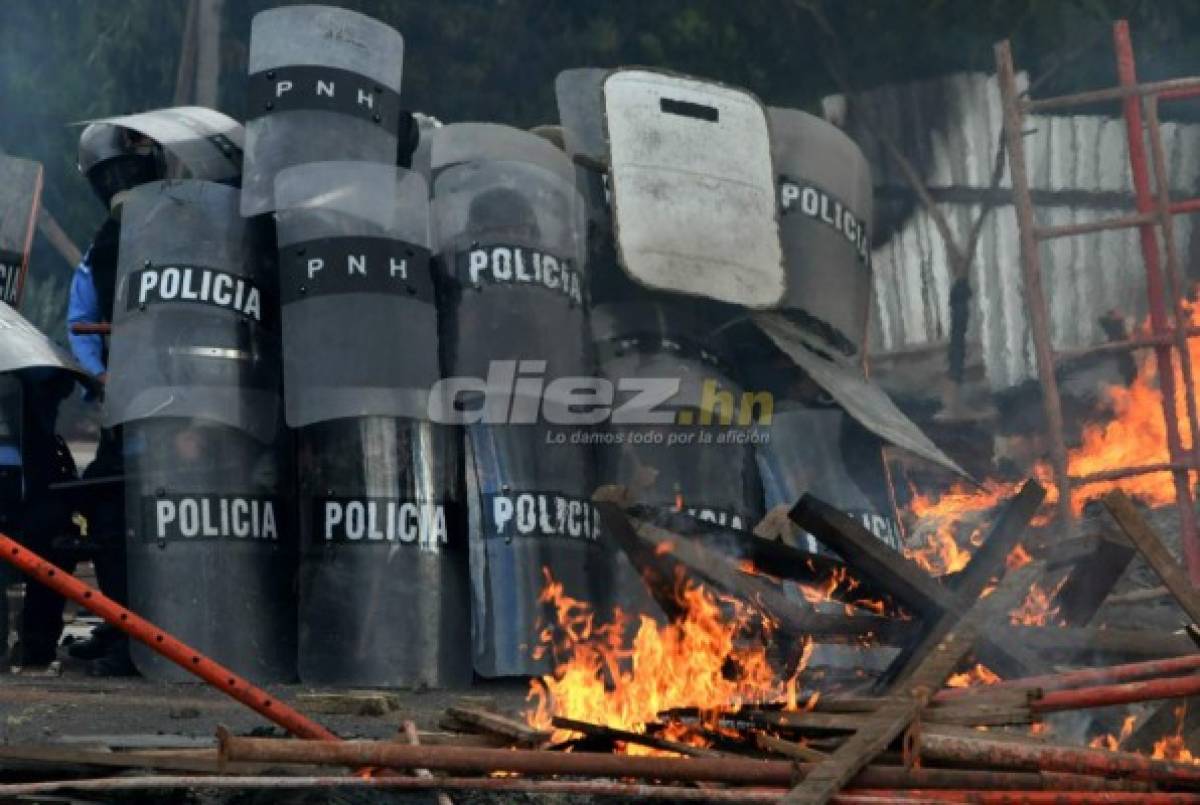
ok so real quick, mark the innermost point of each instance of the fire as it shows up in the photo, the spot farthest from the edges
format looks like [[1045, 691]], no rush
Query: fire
[[942, 517], [1018, 557], [1173, 747], [601, 678], [1038, 609], [1113, 742], [979, 675], [1135, 435]]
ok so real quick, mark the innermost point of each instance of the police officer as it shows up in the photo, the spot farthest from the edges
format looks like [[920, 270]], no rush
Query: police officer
[[45, 517], [114, 159]]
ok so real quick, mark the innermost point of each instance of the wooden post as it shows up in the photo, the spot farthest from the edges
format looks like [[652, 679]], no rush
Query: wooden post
[[1031, 272], [1156, 554]]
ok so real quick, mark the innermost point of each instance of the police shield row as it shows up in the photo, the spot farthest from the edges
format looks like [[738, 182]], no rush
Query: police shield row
[[283, 298]]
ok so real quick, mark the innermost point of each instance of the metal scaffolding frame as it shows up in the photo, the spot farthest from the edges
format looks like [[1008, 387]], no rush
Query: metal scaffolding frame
[[1154, 216]]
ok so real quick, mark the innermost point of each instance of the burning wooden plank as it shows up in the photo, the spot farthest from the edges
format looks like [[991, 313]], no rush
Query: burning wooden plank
[[625, 736], [932, 669], [1154, 551], [1092, 578], [989, 562]]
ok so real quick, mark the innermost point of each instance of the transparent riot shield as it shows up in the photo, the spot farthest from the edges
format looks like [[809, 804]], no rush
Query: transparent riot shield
[[20, 197], [194, 381], [825, 209], [23, 346], [199, 143], [194, 316], [693, 188], [211, 548], [509, 240], [355, 286], [686, 422], [509, 243], [324, 84], [383, 579], [580, 97], [821, 450], [849, 387], [678, 442]]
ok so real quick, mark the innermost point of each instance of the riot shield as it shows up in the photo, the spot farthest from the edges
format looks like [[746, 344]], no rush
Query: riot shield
[[324, 84], [693, 188], [825, 213], [23, 346], [676, 440], [383, 576], [580, 97], [355, 284], [193, 321], [508, 236], [211, 551], [383, 579], [820, 449], [199, 143], [194, 380], [851, 389], [20, 197], [685, 421]]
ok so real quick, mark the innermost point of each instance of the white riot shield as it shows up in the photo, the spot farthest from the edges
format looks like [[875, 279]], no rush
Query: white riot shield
[[693, 188]]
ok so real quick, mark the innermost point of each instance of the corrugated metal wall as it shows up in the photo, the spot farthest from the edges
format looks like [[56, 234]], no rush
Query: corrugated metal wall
[[950, 128]]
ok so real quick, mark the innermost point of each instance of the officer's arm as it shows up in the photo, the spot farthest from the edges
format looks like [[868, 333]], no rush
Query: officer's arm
[[84, 308]]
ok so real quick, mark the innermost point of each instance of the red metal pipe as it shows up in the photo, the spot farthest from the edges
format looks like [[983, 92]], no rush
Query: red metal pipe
[[1187, 206], [1182, 94], [1173, 687], [1084, 676], [1018, 797], [633, 792], [1155, 295], [967, 749], [158, 639]]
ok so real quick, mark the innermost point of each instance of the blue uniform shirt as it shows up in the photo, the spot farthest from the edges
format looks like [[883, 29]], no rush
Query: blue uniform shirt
[[84, 307]]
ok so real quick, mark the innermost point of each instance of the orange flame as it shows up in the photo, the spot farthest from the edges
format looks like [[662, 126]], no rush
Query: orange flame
[[1113, 742], [693, 661], [1037, 608], [1135, 435], [979, 675], [1173, 747]]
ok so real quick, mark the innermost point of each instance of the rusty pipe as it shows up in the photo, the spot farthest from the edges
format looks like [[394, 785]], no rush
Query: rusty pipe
[[628, 791], [161, 641], [472, 760], [1008, 754], [1084, 676], [1172, 687], [1022, 797]]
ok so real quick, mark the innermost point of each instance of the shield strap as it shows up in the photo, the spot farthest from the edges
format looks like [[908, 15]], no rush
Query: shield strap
[[342, 265], [324, 89]]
